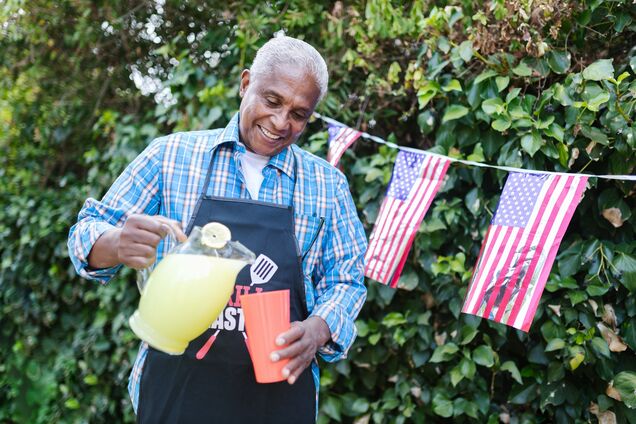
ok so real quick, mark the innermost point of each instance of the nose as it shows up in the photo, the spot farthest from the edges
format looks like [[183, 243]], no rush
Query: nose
[[280, 121]]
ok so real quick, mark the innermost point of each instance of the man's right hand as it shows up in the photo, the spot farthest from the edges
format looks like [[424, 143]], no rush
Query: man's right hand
[[135, 244]]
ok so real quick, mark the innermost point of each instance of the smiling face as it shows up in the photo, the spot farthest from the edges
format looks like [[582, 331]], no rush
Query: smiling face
[[275, 108]]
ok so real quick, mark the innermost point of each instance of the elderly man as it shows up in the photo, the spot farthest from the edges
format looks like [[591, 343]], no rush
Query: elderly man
[[279, 201]]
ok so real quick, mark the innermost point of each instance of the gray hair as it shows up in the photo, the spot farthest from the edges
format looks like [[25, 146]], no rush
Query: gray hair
[[284, 51]]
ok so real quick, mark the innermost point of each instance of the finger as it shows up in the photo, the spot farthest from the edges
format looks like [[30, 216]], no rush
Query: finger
[[138, 262], [173, 228], [291, 351], [296, 332], [141, 236], [138, 249], [145, 222], [294, 368]]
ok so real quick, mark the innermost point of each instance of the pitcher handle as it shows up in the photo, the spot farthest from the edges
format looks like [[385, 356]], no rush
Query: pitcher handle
[[144, 274]]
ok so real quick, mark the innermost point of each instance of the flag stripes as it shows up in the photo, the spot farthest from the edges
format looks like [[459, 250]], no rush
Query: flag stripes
[[340, 138], [399, 219], [515, 261]]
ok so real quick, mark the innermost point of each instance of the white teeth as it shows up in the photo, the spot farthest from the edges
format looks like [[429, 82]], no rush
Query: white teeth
[[269, 134]]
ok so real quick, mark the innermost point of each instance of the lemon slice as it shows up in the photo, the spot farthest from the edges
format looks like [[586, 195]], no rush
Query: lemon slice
[[215, 235]]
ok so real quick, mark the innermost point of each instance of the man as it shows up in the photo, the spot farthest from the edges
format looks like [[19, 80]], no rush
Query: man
[[278, 200]]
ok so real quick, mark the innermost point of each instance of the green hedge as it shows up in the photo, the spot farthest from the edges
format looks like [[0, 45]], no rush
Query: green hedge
[[546, 85]]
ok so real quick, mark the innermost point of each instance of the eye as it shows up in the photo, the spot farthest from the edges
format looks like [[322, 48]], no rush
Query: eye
[[299, 116], [271, 101]]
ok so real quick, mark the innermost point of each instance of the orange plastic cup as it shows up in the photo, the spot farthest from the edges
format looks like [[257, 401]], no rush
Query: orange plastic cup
[[266, 316]]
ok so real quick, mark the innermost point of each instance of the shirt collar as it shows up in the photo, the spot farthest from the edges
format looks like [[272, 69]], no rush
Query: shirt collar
[[230, 134]]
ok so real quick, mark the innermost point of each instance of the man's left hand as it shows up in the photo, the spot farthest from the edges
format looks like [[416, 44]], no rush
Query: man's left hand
[[303, 340]]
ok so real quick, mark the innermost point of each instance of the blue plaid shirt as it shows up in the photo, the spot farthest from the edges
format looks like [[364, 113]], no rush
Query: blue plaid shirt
[[167, 179]]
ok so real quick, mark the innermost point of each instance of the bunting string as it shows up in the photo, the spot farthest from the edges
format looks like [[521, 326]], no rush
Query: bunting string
[[470, 162], [521, 243]]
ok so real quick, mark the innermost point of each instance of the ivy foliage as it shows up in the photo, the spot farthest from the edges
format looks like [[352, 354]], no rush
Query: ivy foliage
[[546, 85]]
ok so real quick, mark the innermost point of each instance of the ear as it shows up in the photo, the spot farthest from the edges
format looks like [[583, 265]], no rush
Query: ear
[[245, 82]]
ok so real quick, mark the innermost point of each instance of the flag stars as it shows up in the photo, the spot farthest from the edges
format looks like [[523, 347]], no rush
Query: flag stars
[[518, 199]]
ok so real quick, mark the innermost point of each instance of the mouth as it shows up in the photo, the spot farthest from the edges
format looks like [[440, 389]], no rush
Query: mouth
[[270, 135]]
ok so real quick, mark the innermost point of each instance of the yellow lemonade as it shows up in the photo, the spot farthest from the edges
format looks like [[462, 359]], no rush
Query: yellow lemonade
[[182, 297]]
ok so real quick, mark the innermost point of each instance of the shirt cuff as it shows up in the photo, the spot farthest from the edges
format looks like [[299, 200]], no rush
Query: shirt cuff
[[80, 256], [343, 331]]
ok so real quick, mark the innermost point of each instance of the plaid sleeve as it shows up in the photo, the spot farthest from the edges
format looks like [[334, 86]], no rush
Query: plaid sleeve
[[136, 190], [340, 292]]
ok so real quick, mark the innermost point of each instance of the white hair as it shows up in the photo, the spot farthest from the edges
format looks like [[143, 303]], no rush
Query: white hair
[[283, 51]]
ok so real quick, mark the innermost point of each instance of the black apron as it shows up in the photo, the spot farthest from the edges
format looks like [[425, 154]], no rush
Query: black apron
[[213, 381]]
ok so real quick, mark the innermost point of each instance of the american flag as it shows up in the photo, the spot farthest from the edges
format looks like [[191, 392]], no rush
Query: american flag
[[520, 245], [416, 179], [340, 138]]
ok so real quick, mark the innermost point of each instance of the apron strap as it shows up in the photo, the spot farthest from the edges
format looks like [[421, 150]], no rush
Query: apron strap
[[208, 175]]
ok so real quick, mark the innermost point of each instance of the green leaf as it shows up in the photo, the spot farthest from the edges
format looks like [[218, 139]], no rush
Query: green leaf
[[453, 85], [90, 379], [501, 125], [393, 319], [72, 403], [531, 143], [561, 95], [477, 155], [425, 97], [483, 355], [502, 83], [632, 63], [408, 281], [443, 44], [511, 367], [373, 174], [522, 70], [512, 94], [625, 262], [444, 353], [628, 331], [494, 105], [484, 76], [600, 70], [621, 77], [576, 360], [466, 50], [555, 344], [563, 154], [577, 296], [331, 407], [517, 112], [597, 289], [594, 103], [600, 346], [456, 376], [467, 368], [523, 395], [374, 338], [442, 405], [426, 121], [462, 406], [559, 62], [467, 334], [454, 112], [555, 131], [544, 123], [625, 383], [622, 20], [626, 265], [595, 134]]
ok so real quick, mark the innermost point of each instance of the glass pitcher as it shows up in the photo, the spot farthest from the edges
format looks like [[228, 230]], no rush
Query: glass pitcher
[[186, 292]]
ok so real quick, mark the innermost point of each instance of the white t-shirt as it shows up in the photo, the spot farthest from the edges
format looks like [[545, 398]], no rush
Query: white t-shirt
[[253, 165]]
